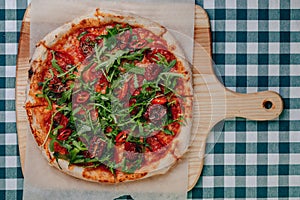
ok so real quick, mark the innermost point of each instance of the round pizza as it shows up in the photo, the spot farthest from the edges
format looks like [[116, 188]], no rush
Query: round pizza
[[110, 98]]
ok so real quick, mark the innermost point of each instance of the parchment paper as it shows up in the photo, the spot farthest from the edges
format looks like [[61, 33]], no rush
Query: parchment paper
[[45, 182]]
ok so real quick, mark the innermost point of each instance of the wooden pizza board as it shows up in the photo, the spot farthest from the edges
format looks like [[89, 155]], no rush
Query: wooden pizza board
[[212, 102]]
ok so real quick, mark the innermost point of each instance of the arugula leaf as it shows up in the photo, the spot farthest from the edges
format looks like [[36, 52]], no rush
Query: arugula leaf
[[149, 40], [131, 68], [67, 72], [54, 63], [82, 34], [168, 132], [66, 95], [110, 39], [112, 58], [79, 145], [136, 55], [163, 62], [73, 154]]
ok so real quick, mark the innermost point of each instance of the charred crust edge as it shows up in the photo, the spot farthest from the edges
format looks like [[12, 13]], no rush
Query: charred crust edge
[[30, 73]]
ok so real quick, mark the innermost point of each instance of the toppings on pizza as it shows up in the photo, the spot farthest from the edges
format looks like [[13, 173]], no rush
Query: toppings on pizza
[[113, 94]]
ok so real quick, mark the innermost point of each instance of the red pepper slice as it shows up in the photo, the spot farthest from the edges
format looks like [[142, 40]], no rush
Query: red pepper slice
[[121, 137], [64, 135], [61, 119]]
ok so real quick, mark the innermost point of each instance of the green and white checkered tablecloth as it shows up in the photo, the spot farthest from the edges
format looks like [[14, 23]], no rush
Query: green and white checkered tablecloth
[[256, 46]]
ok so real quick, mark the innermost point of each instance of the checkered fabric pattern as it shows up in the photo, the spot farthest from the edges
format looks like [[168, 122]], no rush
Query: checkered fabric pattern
[[256, 46], [11, 178]]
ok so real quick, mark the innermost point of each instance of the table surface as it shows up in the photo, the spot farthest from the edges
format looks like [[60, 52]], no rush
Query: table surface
[[256, 47]]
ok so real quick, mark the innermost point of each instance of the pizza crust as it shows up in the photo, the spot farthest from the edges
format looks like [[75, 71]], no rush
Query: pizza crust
[[35, 105]]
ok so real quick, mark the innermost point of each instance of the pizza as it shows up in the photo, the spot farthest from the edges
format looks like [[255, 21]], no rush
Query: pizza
[[110, 98]]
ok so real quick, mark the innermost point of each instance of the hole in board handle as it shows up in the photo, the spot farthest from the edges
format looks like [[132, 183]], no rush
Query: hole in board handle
[[267, 104]]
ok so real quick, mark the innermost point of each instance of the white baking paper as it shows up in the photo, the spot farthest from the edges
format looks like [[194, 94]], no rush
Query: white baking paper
[[45, 182]]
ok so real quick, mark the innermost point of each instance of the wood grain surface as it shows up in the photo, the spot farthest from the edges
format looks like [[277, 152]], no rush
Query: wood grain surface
[[212, 101]]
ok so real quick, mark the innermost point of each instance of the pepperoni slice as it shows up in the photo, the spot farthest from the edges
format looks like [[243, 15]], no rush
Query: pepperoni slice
[[94, 115], [138, 44], [156, 113], [96, 147], [82, 97], [123, 39], [152, 71], [132, 89], [122, 92]]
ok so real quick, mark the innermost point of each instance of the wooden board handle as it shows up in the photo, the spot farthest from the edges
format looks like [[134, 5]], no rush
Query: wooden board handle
[[260, 106]]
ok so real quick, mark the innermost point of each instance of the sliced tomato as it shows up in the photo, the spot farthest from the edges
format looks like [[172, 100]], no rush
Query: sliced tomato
[[154, 143], [56, 85], [59, 149], [108, 129], [132, 102], [136, 92], [159, 100], [164, 139], [131, 151], [101, 85], [174, 127], [152, 55], [176, 111]]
